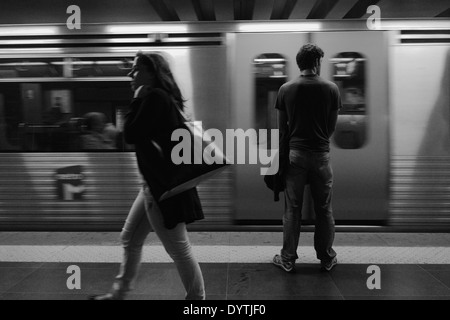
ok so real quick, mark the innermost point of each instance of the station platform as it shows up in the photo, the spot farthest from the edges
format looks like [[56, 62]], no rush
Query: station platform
[[235, 265]]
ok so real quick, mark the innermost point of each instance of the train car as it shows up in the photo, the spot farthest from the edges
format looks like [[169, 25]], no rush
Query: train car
[[390, 151]]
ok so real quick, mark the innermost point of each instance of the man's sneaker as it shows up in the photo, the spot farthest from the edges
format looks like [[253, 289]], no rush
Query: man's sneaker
[[287, 266], [327, 266]]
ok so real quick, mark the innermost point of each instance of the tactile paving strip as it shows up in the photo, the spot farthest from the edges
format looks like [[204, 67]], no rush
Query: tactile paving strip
[[227, 254]]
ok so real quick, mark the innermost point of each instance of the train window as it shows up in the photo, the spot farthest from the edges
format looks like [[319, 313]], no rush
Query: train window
[[66, 104], [64, 115], [348, 70], [101, 67], [31, 68], [270, 73]]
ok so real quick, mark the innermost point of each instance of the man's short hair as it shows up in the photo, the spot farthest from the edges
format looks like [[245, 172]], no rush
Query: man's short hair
[[307, 56]]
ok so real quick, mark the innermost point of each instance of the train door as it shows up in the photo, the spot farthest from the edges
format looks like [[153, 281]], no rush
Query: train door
[[261, 64], [360, 147], [357, 63]]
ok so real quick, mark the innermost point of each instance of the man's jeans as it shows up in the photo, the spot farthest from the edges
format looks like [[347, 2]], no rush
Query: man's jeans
[[311, 168]]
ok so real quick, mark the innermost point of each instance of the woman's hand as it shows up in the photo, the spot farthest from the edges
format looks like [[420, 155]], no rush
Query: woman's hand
[[142, 91]]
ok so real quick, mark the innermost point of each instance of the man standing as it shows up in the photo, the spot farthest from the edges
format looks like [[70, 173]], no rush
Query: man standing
[[308, 109]]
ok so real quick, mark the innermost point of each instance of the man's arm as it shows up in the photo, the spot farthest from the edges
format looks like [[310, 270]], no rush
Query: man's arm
[[334, 113], [332, 121], [283, 126]]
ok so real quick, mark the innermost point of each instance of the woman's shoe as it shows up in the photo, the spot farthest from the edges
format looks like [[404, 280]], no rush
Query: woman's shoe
[[107, 296]]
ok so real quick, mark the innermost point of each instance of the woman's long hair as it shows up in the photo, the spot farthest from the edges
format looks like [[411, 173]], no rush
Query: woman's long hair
[[164, 79]]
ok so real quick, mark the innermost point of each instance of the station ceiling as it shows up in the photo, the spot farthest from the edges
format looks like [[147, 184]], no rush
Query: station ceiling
[[147, 11]]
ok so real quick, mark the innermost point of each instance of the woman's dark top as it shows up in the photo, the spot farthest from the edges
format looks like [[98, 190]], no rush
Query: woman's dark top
[[153, 119]]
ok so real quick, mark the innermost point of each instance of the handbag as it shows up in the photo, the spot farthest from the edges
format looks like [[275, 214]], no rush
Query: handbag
[[276, 182], [199, 166]]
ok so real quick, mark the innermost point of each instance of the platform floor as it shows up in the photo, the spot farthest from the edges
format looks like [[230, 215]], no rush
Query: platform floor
[[236, 266]]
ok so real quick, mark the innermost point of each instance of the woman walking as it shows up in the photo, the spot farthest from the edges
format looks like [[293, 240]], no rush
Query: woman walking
[[154, 114]]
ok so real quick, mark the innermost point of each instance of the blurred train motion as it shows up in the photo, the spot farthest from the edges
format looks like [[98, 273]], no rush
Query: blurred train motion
[[64, 165]]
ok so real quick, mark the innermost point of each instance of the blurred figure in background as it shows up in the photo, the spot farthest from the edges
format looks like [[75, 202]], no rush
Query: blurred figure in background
[[55, 115], [99, 135]]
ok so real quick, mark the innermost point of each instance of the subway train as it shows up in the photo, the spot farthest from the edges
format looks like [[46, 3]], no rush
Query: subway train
[[61, 90]]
